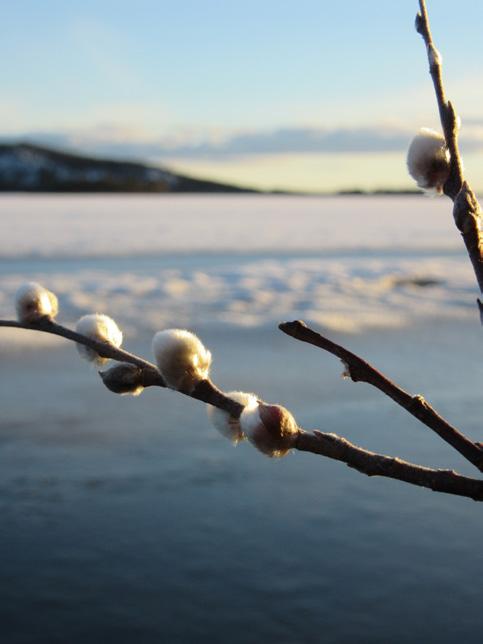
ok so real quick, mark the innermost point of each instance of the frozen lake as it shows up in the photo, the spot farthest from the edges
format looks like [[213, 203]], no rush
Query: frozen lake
[[347, 264]]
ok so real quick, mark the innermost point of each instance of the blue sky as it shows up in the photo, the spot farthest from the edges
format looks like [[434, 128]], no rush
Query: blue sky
[[311, 95]]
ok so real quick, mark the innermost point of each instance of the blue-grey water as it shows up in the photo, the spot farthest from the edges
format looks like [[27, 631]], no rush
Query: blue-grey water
[[131, 520]]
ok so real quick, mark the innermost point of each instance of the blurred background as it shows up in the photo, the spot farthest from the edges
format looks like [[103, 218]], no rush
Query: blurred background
[[222, 167]]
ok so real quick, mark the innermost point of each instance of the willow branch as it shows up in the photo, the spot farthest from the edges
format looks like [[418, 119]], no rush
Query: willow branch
[[361, 371], [323, 444], [205, 391], [466, 210]]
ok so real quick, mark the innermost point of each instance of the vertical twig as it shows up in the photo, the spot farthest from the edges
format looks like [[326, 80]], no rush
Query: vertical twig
[[466, 210]]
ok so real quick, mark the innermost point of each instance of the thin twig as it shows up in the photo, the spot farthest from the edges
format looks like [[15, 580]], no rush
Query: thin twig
[[447, 114], [104, 349], [329, 445], [466, 210], [361, 371]]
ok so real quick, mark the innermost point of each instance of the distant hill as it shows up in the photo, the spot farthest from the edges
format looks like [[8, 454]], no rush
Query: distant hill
[[31, 168]]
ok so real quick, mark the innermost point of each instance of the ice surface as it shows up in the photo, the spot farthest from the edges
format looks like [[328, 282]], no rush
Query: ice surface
[[346, 264], [118, 225]]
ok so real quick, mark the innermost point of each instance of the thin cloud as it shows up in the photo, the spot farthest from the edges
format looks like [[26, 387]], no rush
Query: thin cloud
[[284, 141]]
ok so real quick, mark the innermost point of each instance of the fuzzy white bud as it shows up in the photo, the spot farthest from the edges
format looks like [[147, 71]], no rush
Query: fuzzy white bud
[[428, 160], [182, 359], [102, 328], [271, 428], [228, 426], [434, 56], [34, 302]]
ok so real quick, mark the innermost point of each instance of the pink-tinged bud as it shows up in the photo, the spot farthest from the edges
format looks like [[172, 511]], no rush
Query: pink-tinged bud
[[428, 160], [271, 428], [33, 302], [228, 426]]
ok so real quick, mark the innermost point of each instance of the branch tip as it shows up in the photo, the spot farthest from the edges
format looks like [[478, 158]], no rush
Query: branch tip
[[288, 327]]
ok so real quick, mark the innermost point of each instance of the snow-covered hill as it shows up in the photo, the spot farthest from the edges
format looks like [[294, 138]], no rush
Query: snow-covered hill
[[27, 167]]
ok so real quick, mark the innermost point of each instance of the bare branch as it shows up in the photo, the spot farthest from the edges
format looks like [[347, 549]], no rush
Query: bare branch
[[467, 211], [373, 464], [361, 371]]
